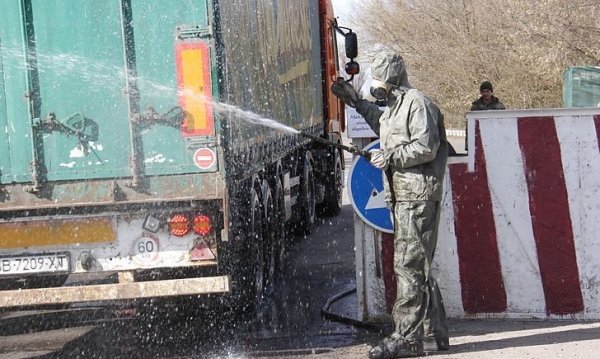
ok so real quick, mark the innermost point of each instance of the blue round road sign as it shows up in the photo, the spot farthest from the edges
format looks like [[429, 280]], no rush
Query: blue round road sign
[[365, 189]]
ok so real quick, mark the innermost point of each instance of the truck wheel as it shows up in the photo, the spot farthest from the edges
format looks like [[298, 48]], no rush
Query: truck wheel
[[279, 228], [269, 239], [256, 255], [334, 190], [309, 211]]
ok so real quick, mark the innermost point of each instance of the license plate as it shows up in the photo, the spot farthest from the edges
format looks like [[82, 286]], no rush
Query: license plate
[[42, 263]]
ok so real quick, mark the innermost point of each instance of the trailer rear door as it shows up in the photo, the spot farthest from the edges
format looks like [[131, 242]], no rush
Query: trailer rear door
[[89, 89]]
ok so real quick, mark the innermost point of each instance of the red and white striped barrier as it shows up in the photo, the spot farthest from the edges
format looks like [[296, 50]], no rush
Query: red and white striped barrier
[[520, 227]]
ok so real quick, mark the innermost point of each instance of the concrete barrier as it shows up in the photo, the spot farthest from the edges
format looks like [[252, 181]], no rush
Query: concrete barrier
[[520, 227]]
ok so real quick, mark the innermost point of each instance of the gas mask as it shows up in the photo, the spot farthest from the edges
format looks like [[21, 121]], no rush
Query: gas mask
[[379, 89]]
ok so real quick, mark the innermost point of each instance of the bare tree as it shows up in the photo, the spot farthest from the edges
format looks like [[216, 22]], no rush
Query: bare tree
[[522, 47]]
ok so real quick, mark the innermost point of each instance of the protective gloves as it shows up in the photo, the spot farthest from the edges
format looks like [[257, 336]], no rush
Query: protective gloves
[[345, 92], [378, 160]]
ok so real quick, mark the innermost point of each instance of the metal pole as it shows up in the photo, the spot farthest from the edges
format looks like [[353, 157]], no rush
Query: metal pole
[[353, 150]]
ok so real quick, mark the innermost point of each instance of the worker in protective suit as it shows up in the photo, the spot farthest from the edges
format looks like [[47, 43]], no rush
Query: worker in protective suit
[[413, 158]]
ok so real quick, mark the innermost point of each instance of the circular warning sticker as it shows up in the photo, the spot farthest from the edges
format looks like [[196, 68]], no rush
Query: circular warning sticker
[[205, 158], [145, 249]]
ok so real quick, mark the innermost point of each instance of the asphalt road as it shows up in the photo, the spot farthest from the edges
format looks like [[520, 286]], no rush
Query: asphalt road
[[321, 267]]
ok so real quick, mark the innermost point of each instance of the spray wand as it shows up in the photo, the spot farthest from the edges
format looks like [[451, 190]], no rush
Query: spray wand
[[353, 150]]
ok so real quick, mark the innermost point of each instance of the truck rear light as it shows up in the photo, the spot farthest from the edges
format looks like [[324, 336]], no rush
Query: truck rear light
[[201, 224], [179, 225]]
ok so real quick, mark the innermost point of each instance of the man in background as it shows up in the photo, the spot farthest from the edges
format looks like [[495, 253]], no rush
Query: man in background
[[487, 101]]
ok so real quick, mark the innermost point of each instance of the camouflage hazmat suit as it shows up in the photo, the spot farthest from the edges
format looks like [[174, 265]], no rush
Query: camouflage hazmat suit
[[414, 146]]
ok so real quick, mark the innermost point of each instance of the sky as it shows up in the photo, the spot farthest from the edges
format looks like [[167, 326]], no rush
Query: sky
[[339, 6]]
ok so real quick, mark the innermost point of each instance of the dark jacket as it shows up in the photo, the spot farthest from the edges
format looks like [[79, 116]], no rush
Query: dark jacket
[[495, 104]]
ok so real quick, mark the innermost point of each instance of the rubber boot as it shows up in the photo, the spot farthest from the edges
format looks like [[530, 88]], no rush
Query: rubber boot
[[396, 348]]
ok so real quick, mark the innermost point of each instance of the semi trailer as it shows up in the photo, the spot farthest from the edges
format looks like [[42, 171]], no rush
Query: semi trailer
[[128, 168]]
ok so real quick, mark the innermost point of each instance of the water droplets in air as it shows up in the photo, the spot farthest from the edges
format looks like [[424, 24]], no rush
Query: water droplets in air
[[96, 75]]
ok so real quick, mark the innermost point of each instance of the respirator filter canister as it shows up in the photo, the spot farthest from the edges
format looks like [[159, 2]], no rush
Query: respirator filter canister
[[379, 89]]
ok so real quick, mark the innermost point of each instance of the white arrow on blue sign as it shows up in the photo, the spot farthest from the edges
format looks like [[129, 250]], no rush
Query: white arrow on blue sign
[[365, 189]]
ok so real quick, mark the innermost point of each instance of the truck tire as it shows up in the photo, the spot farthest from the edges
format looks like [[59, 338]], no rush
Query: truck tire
[[332, 205], [279, 229], [269, 239], [256, 255], [247, 263], [309, 210]]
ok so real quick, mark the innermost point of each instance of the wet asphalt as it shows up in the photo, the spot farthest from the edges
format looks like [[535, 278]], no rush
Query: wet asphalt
[[310, 313]]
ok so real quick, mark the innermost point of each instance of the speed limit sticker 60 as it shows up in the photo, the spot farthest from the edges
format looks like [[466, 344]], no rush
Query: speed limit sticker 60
[[146, 249]]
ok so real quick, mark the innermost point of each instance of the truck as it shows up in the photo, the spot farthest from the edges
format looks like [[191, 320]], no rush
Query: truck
[[129, 168]]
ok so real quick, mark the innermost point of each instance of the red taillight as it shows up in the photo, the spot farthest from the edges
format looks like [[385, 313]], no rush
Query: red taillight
[[179, 225], [201, 224]]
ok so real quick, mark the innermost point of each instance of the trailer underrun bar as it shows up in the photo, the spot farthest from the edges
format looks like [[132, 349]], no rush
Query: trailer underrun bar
[[120, 291]]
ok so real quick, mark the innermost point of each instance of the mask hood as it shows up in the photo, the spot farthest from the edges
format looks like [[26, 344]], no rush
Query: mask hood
[[389, 67]]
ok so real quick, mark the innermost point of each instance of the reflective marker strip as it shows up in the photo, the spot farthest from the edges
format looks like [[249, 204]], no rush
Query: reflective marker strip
[[56, 232], [195, 88]]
